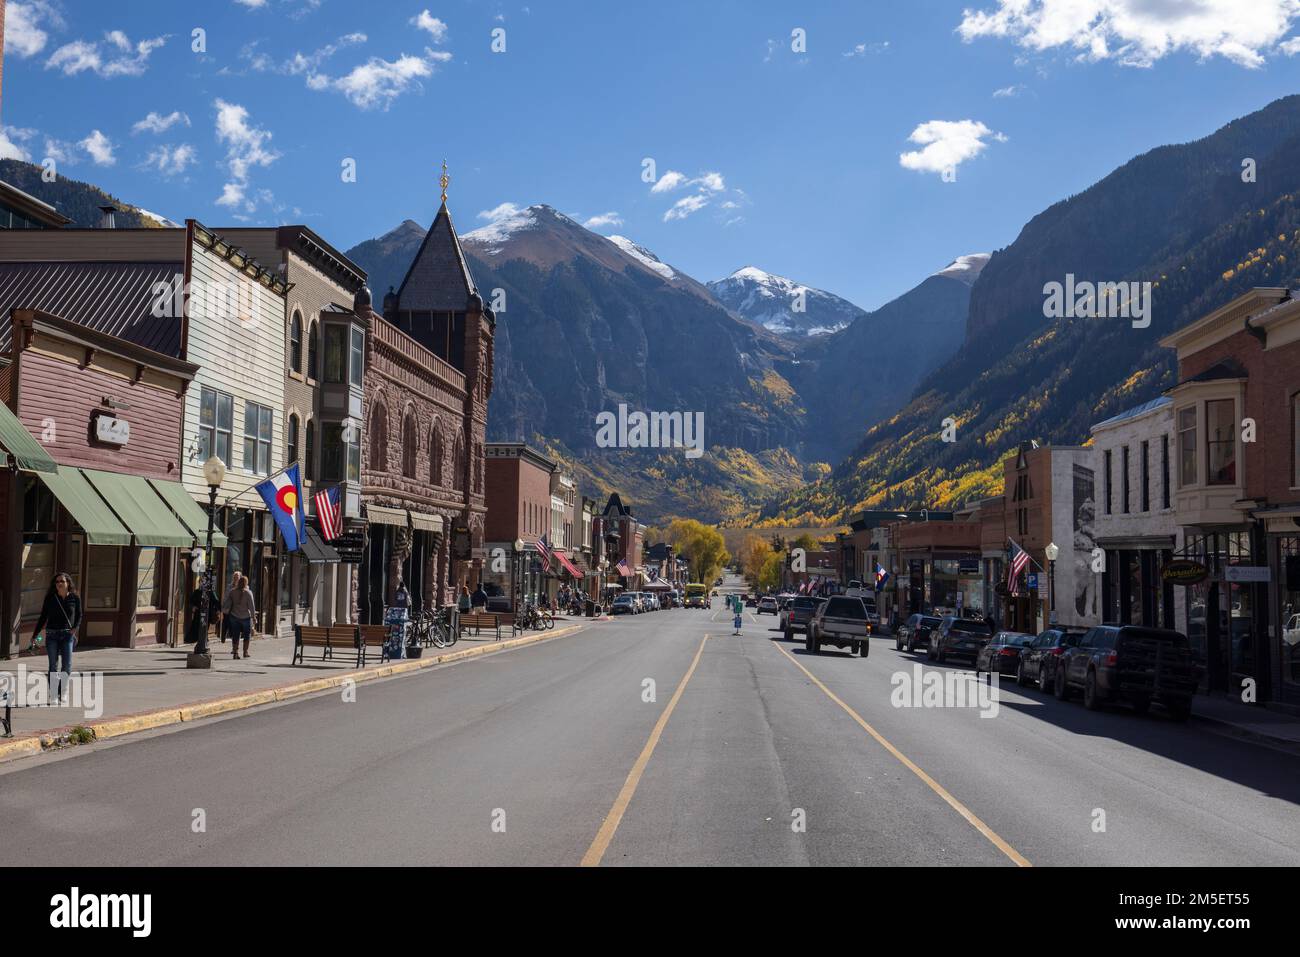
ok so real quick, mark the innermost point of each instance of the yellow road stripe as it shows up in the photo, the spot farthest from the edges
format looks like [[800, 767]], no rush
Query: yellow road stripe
[[615, 815], [934, 785]]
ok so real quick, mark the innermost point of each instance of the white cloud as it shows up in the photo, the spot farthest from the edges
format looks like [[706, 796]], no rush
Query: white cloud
[[604, 219], [426, 21], [100, 148], [157, 123], [23, 21], [670, 181], [498, 213], [712, 182], [170, 161], [862, 49], [12, 139], [247, 147], [377, 82], [686, 206], [1290, 47], [946, 144], [120, 57], [299, 63], [1139, 32], [252, 4], [60, 151], [1012, 90]]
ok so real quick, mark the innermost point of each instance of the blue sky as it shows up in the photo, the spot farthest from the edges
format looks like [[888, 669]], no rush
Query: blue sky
[[788, 160]]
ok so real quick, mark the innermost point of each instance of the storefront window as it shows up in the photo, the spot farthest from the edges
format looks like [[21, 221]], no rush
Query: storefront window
[[102, 567], [148, 585], [1289, 617], [1221, 442], [304, 584], [37, 573]]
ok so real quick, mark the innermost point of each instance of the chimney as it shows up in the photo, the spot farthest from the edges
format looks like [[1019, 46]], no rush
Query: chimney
[[107, 217]]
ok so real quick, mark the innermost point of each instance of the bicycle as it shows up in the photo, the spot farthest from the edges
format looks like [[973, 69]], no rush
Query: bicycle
[[434, 628], [538, 619]]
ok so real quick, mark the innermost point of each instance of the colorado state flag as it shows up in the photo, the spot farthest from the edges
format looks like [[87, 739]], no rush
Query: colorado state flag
[[283, 496]]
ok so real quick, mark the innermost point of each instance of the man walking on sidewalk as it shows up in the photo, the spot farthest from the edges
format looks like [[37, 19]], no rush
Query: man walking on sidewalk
[[238, 605]]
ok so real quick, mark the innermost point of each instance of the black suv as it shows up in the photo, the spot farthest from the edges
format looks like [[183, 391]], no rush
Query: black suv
[[1038, 660], [915, 632], [960, 637], [1130, 663]]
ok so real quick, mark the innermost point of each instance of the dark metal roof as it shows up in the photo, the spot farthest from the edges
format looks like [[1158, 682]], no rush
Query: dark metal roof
[[1136, 411], [113, 298], [1223, 369], [438, 279]]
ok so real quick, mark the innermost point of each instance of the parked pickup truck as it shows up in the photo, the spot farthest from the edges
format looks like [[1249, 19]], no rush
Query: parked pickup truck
[[1133, 664], [841, 621]]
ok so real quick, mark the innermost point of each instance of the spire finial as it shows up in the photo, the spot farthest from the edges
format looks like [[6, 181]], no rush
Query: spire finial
[[444, 180]]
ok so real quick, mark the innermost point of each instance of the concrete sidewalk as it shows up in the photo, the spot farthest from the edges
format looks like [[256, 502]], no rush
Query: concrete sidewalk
[[1249, 722], [150, 687]]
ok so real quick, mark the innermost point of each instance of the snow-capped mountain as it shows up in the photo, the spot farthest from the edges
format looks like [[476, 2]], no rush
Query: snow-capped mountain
[[966, 268], [782, 305], [643, 256]]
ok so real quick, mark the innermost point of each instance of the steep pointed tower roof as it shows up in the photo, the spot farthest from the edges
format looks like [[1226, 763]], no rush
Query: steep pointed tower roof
[[439, 278]]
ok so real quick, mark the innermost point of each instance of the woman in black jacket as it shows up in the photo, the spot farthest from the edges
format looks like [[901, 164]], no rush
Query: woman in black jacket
[[61, 611]]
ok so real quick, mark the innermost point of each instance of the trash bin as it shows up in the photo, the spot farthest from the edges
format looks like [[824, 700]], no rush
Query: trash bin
[[591, 608]]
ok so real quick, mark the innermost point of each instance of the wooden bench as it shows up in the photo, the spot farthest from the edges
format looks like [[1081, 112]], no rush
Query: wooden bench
[[329, 640], [372, 636], [479, 620]]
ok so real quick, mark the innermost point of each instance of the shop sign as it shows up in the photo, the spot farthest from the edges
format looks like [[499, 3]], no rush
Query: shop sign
[[1184, 571], [1246, 573], [112, 431]]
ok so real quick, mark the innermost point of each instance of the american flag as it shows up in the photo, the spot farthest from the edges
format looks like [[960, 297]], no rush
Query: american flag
[[329, 512], [544, 548], [1019, 562], [624, 568]]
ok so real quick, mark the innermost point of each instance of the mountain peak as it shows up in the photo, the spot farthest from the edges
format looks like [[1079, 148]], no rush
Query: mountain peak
[[783, 306], [642, 255], [966, 268]]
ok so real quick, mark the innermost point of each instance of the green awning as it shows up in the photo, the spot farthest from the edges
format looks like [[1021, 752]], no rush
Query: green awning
[[83, 503], [18, 442], [140, 509], [190, 512]]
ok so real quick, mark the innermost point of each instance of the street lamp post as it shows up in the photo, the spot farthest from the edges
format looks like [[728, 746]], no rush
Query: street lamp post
[[214, 473], [1053, 552], [518, 574]]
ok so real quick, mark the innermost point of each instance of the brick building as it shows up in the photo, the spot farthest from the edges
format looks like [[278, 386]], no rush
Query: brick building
[[1236, 412], [428, 377]]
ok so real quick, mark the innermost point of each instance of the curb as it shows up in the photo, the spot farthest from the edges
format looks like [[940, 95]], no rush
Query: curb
[[1229, 730], [244, 700]]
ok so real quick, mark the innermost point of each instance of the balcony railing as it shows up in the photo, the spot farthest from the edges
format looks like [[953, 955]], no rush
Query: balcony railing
[[388, 334]]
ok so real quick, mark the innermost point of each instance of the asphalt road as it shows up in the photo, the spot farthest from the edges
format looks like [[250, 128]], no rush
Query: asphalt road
[[750, 752]]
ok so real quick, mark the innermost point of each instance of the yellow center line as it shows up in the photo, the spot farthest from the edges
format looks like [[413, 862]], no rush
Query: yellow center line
[[934, 785], [615, 815]]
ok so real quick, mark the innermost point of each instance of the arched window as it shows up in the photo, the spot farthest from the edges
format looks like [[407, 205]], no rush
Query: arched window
[[435, 455], [458, 463], [313, 351], [410, 444], [309, 451], [379, 438], [292, 451], [295, 342]]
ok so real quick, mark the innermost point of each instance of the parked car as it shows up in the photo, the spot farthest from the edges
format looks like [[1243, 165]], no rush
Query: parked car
[[840, 621], [801, 611], [1038, 659], [624, 604], [1291, 632], [915, 632], [1131, 663], [1002, 654], [958, 637], [767, 605], [751, 601]]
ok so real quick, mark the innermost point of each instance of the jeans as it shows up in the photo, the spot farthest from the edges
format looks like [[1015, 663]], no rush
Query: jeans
[[58, 645], [240, 628]]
